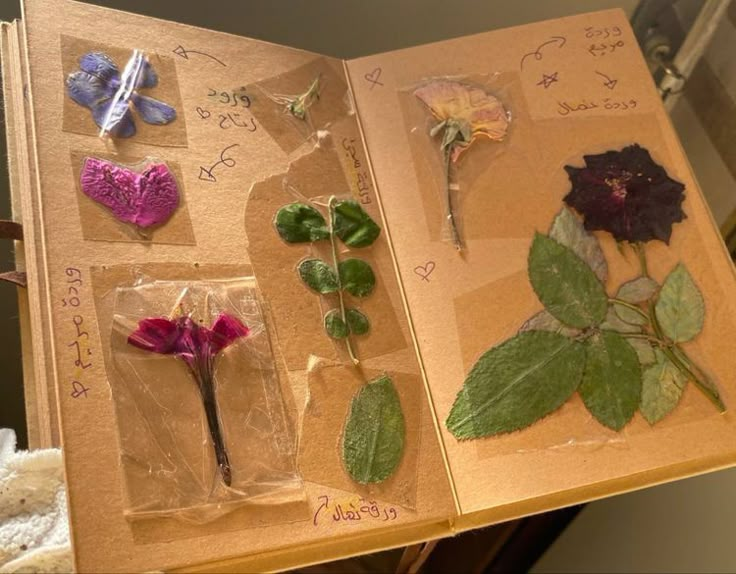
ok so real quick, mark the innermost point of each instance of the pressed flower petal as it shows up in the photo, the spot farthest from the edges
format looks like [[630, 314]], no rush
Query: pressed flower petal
[[114, 187], [100, 65], [461, 109], [627, 194], [87, 89], [154, 111], [147, 77], [158, 196], [225, 330], [120, 121], [156, 334]]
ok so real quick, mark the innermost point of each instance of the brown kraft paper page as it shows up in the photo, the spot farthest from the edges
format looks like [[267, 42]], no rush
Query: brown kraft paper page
[[106, 282], [477, 300], [78, 119], [331, 389], [290, 132], [99, 223], [298, 310]]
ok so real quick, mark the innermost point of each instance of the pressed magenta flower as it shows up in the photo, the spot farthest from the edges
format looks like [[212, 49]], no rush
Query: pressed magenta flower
[[627, 194], [465, 113], [197, 346]]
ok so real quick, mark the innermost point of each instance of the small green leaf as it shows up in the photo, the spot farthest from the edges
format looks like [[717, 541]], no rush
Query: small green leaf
[[680, 309], [662, 386], [318, 275], [565, 285], [614, 323], [299, 223], [644, 351], [635, 291], [353, 225], [517, 383], [543, 321], [335, 326], [611, 386], [373, 441], [358, 323], [568, 230], [356, 277]]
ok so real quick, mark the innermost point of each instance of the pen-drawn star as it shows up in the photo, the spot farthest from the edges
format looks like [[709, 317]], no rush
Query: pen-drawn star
[[547, 80]]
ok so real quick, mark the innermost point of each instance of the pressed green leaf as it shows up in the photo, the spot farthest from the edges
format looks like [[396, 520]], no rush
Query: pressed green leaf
[[635, 291], [614, 323], [517, 383], [611, 386], [299, 223], [565, 285], [373, 441], [335, 326], [356, 277], [680, 309], [353, 225], [318, 275], [568, 230], [543, 321], [644, 351], [358, 323], [662, 386]]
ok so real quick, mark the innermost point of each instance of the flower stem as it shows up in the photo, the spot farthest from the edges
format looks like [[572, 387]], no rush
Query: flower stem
[[628, 305], [207, 391], [450, 209], [639, 248], [335, 260]]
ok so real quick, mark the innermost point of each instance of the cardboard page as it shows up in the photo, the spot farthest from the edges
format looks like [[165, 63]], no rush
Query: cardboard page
[[573, 86], [219, 150]]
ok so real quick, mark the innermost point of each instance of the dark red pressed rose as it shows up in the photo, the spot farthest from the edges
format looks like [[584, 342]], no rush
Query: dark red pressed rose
[[197, 346], [627, 194]]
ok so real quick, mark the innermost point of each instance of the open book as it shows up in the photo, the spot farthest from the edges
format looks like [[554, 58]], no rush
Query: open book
[[458, 283]]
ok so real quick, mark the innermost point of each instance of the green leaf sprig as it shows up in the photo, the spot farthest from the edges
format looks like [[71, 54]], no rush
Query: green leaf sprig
[[620, 353], [348, 222]]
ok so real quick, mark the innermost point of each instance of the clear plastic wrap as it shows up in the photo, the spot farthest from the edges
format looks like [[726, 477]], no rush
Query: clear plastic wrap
[[201, 418]]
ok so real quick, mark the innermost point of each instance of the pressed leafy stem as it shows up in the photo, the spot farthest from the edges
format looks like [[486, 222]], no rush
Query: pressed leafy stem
[[300, 223], [318, 276], [565, 285], [373, 441], [680, 309], [611, 385], [353, 225], [356, 277], [517, 383], [662, 386]]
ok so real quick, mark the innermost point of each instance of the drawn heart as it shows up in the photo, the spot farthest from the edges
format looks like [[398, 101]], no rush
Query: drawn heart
[[144, 199], [204, 114], [424, 271], [373, 77]]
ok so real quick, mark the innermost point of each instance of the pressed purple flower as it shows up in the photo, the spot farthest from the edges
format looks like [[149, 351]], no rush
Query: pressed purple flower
[[144, 199], [627, 194], [197, 346], [99, 86]]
